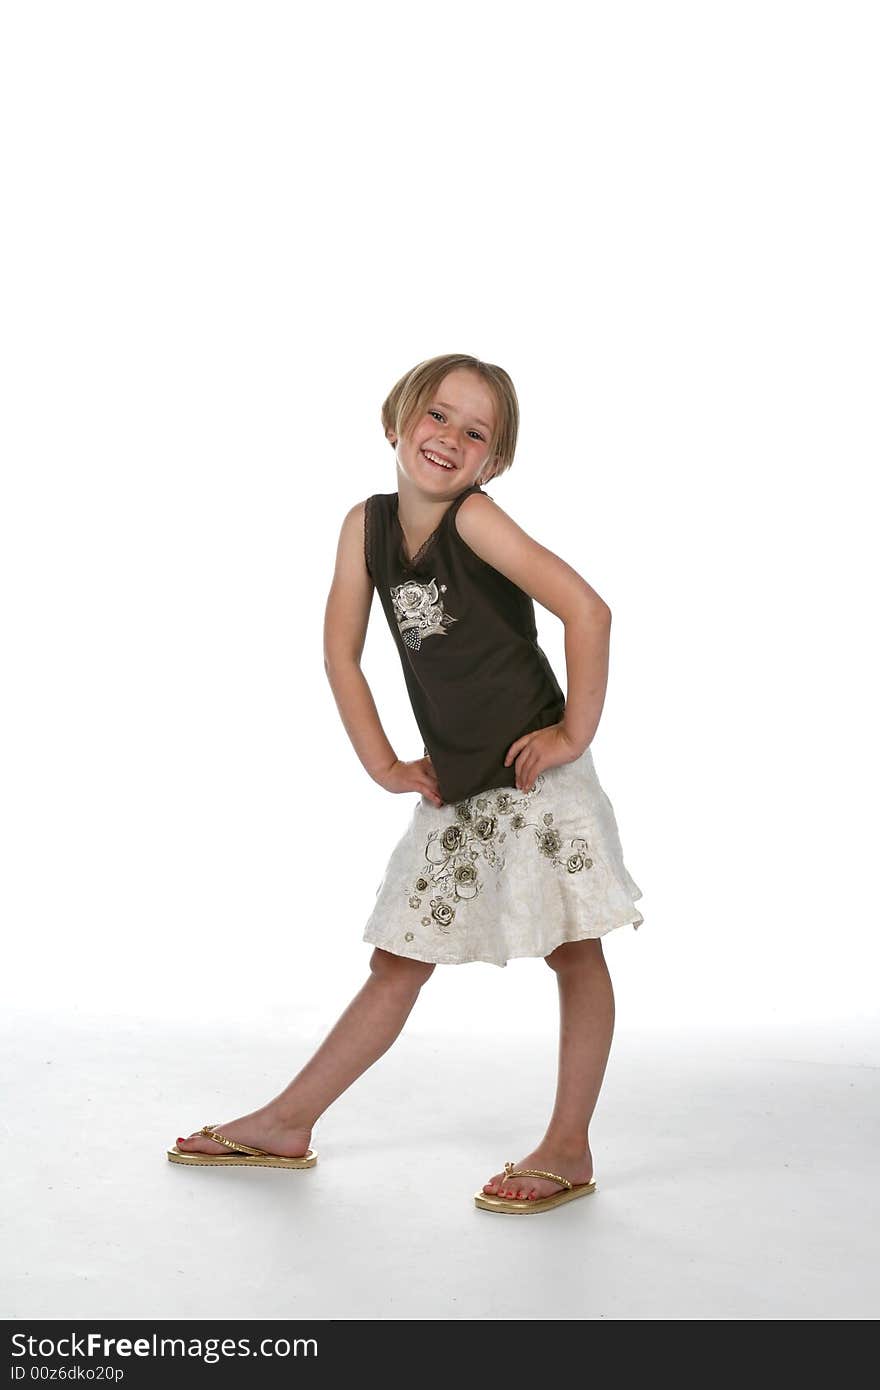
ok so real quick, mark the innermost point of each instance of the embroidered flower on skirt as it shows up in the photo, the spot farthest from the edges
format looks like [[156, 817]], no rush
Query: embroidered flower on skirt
[[452, 856], [506, 874]]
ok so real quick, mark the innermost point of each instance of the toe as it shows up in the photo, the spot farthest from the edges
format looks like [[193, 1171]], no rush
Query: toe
[[199, 1143], [491, 1187]]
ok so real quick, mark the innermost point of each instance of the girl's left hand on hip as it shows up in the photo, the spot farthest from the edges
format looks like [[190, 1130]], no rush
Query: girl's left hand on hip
[[542, 748]]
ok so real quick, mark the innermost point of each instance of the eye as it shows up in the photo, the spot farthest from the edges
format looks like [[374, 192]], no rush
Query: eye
[[439, 415]]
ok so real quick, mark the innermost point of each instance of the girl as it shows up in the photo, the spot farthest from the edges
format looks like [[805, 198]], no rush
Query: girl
[[512, 849]]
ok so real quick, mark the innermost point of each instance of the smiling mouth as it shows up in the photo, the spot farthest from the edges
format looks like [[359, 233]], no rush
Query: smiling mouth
[[437, 460]]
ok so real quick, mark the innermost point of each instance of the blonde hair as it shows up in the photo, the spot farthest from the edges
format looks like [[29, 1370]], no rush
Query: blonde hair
[[409, 398]]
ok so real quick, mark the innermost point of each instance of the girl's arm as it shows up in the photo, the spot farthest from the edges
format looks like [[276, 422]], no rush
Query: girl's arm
[[345, 629], [496, 538]]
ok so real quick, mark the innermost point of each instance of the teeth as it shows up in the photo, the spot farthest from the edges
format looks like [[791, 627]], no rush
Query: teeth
[[435, 459]]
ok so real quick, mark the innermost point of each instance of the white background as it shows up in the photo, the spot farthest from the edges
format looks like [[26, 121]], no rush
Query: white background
[[228, 230]]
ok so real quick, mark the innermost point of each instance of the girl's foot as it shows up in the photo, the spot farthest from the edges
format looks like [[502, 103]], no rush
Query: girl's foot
[[574, 1164], [263, 1129]]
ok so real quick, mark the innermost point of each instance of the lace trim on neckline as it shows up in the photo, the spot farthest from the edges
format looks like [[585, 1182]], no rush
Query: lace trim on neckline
[[427, 545]]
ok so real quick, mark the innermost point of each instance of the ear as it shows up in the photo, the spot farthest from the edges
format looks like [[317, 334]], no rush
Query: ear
[[391, 437]]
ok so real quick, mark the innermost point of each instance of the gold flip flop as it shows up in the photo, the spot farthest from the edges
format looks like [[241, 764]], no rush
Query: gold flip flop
[[243, 1154], [517, 1204]]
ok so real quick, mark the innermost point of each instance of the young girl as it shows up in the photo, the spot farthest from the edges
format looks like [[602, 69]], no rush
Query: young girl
[[512, 849]]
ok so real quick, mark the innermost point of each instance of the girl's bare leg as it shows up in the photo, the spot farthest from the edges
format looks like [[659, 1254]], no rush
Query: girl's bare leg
[[366, 1030], [586, 1026]]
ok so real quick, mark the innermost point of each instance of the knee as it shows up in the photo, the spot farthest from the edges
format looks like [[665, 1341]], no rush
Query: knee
[[400, 969], [576, 955]]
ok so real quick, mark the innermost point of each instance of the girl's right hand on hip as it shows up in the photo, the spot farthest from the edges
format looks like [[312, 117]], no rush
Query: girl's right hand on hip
[[415, 776]]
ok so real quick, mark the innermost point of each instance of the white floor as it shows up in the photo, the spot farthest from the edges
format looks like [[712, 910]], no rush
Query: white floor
[[737, 1180]]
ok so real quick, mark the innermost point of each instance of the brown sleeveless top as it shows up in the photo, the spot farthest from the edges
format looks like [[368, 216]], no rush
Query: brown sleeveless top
[[476, 676]]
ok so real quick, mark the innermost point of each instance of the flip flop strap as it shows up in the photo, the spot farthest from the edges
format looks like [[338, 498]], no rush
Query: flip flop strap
[[535, 1173], [212, 1133]]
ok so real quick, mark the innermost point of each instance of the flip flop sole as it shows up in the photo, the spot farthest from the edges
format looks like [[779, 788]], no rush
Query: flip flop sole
[[516, 1205], [197, 1160]]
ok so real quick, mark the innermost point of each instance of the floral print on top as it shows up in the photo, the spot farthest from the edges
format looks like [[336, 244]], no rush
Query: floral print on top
[[418, 609]]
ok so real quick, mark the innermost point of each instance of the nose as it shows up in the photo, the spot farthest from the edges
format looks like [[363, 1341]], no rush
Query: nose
[[449, 438]]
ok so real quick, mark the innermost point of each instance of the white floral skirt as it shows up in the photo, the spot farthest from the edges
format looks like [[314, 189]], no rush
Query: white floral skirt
[[506, 873]]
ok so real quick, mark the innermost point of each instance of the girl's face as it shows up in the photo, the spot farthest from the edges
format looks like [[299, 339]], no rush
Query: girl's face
[[457, 426]]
